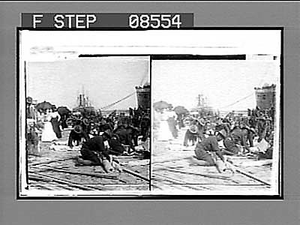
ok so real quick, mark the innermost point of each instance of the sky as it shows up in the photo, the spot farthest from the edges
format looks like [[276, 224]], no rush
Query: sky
[[104, 80], [223, 82]]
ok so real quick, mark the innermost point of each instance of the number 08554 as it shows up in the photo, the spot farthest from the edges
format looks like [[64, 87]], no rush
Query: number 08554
[[146, 21]]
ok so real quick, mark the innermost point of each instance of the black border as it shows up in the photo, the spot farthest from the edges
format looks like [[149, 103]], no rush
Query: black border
[[279, 196]]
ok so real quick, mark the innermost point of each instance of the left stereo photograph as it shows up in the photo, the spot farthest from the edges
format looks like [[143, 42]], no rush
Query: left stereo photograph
[[84, 115]]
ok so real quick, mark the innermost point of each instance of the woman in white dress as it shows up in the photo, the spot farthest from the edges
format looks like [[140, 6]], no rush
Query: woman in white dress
[[48, 133], [164, 133]]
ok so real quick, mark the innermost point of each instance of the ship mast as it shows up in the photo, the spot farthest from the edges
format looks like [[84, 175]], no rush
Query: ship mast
[[202, 101]]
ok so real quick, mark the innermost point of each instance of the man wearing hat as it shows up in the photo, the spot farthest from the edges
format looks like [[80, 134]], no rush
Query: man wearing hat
[[76, 135], [116, 148], [231, 148], [33, 128], [30, 112], [248, 133], [222, 125], [201, 128], [191, 134], [195, 131], [86, 125], [125, 135], [263, 127], [237, 134]]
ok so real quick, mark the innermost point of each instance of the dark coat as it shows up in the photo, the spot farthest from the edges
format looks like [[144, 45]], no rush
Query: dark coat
[[95, 144], [238, 136], [231, 147], [145, 128], [94, 150], [189, 136], [126, 135], [73, 136], [56, 128], [206, 147], [116, 148]]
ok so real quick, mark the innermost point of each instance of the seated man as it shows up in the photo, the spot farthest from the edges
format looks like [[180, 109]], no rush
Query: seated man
[[125, 135], [201, 125], [116, 148], [77, 134], [220, 125], [238, 136], [192, 134], [103, 126], [231, 147], [207, 151], [249, 134]]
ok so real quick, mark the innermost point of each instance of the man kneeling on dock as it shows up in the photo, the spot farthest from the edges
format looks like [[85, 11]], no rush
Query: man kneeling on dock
[[206, 153], [93, 151]]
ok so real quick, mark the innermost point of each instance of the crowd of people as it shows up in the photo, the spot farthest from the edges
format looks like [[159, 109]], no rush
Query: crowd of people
[[121, 132], [214, 136], [98, 136]]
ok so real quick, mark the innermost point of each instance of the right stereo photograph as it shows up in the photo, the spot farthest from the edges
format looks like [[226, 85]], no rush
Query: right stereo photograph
[[217, 114]]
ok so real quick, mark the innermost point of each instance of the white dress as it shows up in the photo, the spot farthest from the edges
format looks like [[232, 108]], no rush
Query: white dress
[[164, 133], [48, 132]]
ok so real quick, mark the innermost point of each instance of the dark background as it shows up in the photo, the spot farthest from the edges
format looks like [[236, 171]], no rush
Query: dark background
[[161, 212]]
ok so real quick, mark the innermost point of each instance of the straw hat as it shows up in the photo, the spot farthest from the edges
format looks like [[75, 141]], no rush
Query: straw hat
[[222, 133], [108, 133], [78, 129], [85, 121], [201, 121], [29, 100], [193, 129]]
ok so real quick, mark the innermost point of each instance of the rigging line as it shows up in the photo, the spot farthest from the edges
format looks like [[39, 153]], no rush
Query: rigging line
[[237, 101], [114, 103]]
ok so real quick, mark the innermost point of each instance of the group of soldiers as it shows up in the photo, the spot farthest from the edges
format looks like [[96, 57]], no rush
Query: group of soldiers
[[93, 131], [237, 135], [120, 132]]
